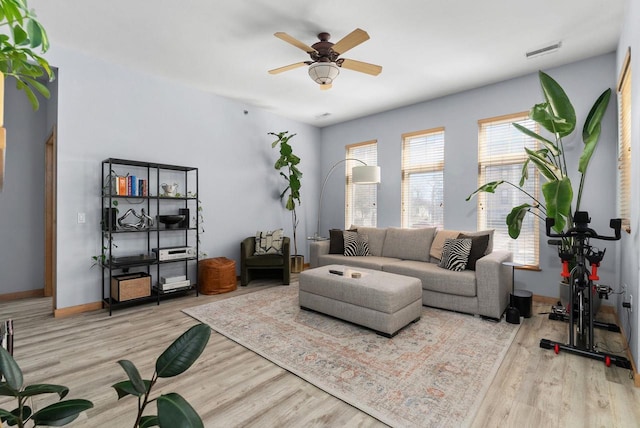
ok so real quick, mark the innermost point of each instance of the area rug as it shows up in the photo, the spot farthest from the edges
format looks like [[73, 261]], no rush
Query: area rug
[[434, 373]]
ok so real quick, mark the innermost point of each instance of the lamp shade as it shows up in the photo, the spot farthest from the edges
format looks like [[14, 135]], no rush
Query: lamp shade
[[323, 73], [366, 174]]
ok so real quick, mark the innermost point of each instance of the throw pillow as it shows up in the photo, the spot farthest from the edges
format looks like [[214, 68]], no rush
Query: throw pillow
[[479, 245], [355, 244], [438, 242], [269, 242], [336, 241], [455, 253]]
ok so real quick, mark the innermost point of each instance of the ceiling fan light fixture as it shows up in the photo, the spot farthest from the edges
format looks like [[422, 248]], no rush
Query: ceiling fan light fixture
[[323, 73]]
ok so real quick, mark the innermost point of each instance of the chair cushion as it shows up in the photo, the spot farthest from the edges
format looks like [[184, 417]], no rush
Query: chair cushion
[[265, 260], [479, 244], [438, 242], [408, 244], [269, 242]]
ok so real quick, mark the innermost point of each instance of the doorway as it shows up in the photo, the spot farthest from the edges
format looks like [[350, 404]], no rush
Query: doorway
[[50, 217]]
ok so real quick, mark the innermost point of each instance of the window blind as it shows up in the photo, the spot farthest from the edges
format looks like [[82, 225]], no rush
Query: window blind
[[501, 156], [361, 200], [423, 178], [624, 143]]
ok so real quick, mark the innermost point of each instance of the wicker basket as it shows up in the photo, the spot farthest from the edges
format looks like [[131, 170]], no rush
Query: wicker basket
[[217, 275]]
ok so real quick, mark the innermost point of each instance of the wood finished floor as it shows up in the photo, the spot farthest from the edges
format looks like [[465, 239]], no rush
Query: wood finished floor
[[230, 386]]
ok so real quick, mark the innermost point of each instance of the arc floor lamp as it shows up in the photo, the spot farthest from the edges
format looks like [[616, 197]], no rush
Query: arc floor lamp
[[361, 174]]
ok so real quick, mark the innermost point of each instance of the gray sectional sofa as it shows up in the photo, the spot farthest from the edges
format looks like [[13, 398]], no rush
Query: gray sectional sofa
[[416, 253]]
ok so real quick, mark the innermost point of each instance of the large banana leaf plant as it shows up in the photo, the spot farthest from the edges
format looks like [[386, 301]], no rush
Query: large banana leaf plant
[[22, 34], [557, 115]]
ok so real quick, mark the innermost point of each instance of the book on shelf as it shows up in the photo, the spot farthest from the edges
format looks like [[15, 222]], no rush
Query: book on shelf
[[132, 185], [122, 186], [142, 187]]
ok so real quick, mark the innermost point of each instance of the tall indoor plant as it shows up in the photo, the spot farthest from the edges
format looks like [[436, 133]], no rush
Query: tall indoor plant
[[557, 115], [22, 35], [287, 164]]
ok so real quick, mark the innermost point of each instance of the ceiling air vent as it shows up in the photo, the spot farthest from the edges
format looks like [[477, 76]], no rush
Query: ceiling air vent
[[545, 50]]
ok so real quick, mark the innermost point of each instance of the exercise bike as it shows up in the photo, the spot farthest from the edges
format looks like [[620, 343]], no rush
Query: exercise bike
[[575, 246]]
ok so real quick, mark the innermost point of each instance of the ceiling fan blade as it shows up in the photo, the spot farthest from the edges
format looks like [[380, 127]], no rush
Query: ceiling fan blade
[[350, 41], [325, 87], [362, 67], [295, 42], [287, 68]]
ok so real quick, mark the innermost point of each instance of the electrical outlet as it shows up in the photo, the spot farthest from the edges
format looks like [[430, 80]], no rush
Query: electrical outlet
[[624, 290]]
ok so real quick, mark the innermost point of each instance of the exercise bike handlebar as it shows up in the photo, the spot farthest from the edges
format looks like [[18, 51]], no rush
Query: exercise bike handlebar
[[581, 230]]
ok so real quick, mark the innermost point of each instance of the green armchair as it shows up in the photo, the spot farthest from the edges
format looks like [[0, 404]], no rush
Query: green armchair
[[251, 266]]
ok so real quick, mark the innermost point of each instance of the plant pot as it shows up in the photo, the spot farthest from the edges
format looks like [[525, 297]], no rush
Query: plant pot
[[297, 263]]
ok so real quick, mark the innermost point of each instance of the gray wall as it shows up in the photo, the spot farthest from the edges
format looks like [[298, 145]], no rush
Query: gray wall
[[110, 111], [22, 200], [629, 260], [459, 114]]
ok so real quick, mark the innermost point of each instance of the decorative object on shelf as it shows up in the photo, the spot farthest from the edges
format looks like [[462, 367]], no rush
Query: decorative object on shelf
[[171, 221], [362, 174], [184, 224], [173, 410], [144, 221], [170, 190], [289, 162]]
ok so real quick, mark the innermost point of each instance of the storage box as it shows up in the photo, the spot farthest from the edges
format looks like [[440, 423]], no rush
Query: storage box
[[130, 286]]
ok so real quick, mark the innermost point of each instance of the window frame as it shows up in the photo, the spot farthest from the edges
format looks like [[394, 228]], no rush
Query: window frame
[[512, 159], [350, 186], [624, 143], [437, 165]]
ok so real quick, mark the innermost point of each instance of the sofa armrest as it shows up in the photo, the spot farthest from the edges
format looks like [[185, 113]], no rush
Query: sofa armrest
[[316, 249], [247, 247], [494, 282]]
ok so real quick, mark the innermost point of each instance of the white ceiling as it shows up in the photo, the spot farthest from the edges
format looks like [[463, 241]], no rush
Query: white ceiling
[[427, 48]]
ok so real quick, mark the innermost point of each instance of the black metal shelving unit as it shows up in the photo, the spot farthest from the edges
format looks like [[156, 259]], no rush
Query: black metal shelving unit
[[151, 237]]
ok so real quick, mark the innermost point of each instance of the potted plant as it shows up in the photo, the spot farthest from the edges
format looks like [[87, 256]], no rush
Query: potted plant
[[289, 163], [557, 115], [17, 56]]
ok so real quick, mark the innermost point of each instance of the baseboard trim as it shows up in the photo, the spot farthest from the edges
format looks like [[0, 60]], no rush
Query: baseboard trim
[[74, 310], [21, 295]]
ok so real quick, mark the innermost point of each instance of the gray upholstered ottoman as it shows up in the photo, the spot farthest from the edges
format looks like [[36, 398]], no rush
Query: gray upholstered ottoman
[[382, 301]]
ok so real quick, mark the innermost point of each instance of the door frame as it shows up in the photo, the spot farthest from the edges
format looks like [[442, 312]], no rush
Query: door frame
[[50, 220]]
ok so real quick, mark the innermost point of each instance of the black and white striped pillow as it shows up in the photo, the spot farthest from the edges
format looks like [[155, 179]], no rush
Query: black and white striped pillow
[[455, 253], [355, 244]]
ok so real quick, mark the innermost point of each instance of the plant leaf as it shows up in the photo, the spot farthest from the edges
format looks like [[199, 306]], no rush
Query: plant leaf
[[559, 103], [548, 144], [175, 411], [149, 421], [547, 169], [44, 388], [487, 187], [9, 417], [514, 219], [7, 391], [10, 370], [183, 352], [596, 113], [61, 413], [590, 144], [558, 196], [134, 376], [125, 388]]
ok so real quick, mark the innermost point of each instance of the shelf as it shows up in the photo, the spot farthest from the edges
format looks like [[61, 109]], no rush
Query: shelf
[[128, 162], [175, 290], [163, 198], [151, 230]]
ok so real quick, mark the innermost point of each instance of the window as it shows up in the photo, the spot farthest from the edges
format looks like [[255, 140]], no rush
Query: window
[[624, 143], [423, 178], [361, 200], [501, 156]]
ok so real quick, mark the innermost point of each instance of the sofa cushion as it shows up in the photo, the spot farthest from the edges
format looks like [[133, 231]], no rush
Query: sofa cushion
[[370, 262], [376, 238], [489, 232], [435, 278], [336, 241], [438, 242], [269, 242], [355, 244], [479, 245], [408, 244], [455, 253]]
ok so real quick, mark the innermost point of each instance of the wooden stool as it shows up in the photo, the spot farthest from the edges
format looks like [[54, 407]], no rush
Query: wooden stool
[[217, 275]]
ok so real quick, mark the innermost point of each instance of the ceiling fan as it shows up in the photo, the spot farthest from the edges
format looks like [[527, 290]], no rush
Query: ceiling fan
[[325, 62]]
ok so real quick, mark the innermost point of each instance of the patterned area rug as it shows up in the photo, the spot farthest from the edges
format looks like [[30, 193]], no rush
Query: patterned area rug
[[434, 373]]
